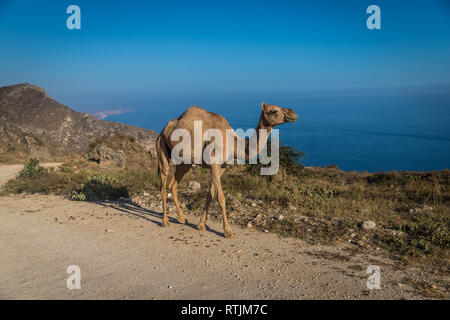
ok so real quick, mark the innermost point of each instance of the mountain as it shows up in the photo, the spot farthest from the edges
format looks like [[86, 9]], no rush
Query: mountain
[[32, 124]]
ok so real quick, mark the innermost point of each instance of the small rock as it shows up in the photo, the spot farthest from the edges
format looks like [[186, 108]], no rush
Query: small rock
[[194, 186], [292, 208], [368, 225], [232, 213], [108, 230], [422, 209], [249, 225], [280, 217], [397, 233], [253, 204], [235, 203]]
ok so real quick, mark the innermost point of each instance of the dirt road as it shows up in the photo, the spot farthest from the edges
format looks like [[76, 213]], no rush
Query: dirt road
[[124, 253]]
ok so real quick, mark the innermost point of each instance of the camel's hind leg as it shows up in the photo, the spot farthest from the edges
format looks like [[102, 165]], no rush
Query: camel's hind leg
[[163, 170], [209, 197], [180, 171]]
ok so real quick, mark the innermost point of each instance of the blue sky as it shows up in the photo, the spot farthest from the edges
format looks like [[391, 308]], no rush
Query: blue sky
[[128, 48]]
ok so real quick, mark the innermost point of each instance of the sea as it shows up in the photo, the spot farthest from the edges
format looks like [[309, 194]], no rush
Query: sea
[[355, 131]]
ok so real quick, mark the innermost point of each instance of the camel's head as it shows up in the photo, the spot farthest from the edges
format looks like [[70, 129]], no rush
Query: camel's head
[[274, 115]]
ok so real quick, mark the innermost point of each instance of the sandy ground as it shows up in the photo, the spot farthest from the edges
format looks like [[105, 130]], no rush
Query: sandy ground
[[124, 253]]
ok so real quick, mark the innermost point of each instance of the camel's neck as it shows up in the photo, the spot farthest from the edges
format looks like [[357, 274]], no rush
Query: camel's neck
[[261, 138]]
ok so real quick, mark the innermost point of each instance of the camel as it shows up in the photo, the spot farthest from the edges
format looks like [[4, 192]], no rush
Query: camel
[[271, 116]]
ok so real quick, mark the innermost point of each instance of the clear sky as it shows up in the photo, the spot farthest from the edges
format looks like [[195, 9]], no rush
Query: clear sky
[[164, 47]]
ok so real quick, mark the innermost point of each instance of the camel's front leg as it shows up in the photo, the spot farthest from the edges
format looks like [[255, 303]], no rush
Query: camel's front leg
[[216, 173]]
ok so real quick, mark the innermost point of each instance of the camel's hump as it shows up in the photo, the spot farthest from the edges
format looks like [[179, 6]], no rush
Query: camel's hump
[[198, 113]]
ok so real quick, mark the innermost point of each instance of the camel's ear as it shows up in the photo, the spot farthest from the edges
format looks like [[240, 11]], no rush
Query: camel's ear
[[263, 106]]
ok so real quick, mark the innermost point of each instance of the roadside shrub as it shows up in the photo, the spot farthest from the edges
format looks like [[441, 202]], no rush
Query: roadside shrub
[[312, 196], [244, 184], [31, 169], [66, 168], [93, 144], [291, 159], [426, 234], [100, 187], [84, 185]]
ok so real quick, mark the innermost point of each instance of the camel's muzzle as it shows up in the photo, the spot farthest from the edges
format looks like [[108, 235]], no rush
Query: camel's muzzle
[[290, 115]]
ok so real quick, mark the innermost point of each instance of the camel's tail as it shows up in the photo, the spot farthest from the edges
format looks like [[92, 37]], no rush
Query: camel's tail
[[163, 153], [158, 152]]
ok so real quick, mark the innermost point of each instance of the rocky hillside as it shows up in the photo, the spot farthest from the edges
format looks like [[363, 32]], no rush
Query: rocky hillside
[[32, 124]]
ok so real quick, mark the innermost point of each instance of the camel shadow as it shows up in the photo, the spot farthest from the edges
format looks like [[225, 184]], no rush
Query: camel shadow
[[150, 215]]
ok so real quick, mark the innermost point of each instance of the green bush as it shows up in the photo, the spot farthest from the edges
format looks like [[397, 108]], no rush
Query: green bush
[[291, 159], [312, 196], [31, 169], [426, 234], [93, 144], [100, 187], [82, 185]]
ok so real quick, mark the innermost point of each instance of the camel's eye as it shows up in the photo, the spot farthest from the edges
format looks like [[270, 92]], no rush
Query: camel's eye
[[272, 111]]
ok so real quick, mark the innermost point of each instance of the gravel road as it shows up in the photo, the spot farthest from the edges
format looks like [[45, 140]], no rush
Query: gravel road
[[124, 253]]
